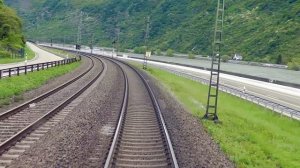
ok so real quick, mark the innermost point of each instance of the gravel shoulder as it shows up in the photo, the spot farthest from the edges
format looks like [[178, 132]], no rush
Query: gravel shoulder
[[192, 144]]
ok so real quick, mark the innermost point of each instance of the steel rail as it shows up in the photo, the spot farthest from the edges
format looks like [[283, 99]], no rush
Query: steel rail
[[43, 96], [120, 122], [158, 113], [158, 110], [21, 134]]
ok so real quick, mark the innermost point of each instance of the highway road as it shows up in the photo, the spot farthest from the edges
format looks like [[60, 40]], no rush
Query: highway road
[[41, 57], [283, 95]]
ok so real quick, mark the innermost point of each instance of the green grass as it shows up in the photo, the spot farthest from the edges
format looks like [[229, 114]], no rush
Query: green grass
[[250, 135], [12, 88], [61, 53], [7, 60]]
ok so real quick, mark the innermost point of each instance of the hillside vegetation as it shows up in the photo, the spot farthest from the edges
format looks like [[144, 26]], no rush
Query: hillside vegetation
[[266, 31], [11, 37]]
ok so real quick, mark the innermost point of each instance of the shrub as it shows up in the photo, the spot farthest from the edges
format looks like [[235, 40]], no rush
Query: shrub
[[140, 50], [158, 52], [4, 54], [191, 55], [122, 49], [225, 58], [294, 65], [170, 53]]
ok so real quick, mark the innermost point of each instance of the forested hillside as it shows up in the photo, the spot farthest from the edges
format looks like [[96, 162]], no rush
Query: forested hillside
[[11, 37], [260, 30]]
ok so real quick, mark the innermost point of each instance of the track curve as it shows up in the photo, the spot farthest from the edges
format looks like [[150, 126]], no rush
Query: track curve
[[20, 123], [141, 138]]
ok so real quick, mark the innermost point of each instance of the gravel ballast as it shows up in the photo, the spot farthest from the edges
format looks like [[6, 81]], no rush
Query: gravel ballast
[[192, 144], [51, 84], [83, 138]]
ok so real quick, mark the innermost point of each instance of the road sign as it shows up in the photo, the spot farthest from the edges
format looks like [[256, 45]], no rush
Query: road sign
[[148, 54]]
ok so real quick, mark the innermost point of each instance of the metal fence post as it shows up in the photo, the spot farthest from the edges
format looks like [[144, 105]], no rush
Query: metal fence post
[[18, 71], [0, 74], [25, 70], [9, 72], [38, 67]]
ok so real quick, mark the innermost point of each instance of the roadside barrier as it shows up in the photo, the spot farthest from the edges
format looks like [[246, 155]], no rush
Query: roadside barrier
[[283, 110], [295, 85], [34, 67]]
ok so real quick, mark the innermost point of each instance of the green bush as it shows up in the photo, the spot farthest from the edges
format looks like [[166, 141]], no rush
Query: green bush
[[170, 53], [294, 65], [122, 49], [158, 52], [4, 54], [191, 55], [225, 58], [266, 59], [140, 50]]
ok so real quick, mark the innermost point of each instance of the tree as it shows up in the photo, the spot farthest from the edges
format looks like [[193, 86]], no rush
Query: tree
[[11, 37]]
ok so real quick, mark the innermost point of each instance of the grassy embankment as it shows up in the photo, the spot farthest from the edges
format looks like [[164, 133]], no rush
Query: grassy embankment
[[61, 53], [12, 88], [7, 60], [250, 135]]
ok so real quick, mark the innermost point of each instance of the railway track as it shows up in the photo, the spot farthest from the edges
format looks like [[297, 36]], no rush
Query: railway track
[[29, 120], [141, 138]]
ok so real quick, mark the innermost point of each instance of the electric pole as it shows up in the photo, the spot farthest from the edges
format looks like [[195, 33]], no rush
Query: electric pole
[[212, 100], [145, 41], [92, 43], [117, 40], [79, 31]]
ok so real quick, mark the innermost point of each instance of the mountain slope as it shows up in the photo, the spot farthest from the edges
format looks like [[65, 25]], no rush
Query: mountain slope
[[267, 30]]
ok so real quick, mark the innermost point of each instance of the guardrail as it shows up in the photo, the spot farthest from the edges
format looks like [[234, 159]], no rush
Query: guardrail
[[34, 67], [283, 110], [295, 85]]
